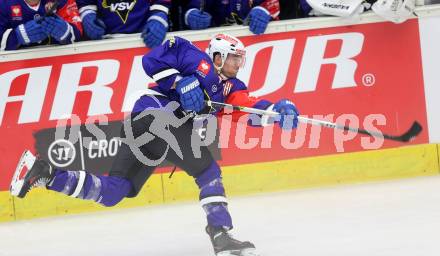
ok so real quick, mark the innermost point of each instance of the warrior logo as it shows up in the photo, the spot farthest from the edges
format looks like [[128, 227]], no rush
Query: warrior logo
[[61, 153], [121, 7]]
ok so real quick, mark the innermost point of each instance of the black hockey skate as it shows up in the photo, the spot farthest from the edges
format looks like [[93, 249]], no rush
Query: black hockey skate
[[39, 173], [225, 245]]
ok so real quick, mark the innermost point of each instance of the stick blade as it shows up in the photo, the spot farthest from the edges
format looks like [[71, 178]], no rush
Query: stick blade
[[415, 130]]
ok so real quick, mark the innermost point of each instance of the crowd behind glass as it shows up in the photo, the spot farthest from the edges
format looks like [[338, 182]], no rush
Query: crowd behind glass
[[25, 23]]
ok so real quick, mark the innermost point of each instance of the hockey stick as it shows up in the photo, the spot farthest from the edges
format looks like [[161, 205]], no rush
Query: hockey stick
[[415, 129], [202, 5]]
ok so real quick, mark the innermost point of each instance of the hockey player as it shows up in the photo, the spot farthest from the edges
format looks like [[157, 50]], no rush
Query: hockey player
[[187, 75], [202, 14], [33, 22], [102, 17]]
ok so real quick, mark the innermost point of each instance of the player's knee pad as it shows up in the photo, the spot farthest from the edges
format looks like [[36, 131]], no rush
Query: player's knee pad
[[107, 191]]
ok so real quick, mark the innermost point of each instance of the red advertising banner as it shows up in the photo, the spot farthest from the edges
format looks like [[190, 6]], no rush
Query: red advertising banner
[[367, 76]]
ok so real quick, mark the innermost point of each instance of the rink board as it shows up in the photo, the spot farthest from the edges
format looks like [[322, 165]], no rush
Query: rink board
[[404, 162], [279, 67]]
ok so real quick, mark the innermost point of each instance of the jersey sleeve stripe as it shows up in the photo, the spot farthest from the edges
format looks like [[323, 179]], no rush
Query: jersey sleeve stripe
[[24, 34], [160, 19], [164, 73], [186, 15], [88, 8], [5, 39], [69, 30], [158, 7]]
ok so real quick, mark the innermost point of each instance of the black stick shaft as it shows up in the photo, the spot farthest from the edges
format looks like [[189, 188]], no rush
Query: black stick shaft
[[415, 129]]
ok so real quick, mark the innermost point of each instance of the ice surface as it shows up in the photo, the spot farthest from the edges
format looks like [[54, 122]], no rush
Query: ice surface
[[400, 218]]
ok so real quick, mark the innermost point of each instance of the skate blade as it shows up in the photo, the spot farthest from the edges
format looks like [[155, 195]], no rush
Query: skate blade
[[249, 252], [245, 252], [27, 160]]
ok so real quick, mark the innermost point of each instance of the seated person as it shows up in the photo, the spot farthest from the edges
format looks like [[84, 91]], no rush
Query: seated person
[[26, 23], [201, 14], [102, 17]]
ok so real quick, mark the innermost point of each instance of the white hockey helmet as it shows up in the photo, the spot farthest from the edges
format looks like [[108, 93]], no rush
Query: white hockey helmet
[[225, 44]]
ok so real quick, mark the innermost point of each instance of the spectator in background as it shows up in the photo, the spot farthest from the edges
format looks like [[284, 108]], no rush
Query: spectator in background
[[201, 14], [37, 22], [177, 14], [102, 17], [290, 9]]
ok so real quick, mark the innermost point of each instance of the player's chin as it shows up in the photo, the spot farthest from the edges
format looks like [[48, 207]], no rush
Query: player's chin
[[233, 74]]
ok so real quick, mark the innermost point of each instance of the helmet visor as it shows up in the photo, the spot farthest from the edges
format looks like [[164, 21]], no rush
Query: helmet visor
[[237, 60]]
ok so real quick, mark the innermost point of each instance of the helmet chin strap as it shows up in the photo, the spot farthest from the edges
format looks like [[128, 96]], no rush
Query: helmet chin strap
[[223, 76], [219, 71]]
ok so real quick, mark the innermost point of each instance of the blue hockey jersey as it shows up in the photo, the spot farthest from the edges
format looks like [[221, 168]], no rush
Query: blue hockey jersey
[[16, 12], [178, 57], [123, 16]]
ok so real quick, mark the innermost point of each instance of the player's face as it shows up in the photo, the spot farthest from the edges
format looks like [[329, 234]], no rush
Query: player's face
[[32, 2], [232, 64]]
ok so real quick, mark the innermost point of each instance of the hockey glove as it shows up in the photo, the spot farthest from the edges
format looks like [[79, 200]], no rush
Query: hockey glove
[[258, 19], [155, 30], [56, 27], [305, 7], [288, 114], [197, 19], [191, 95], [30, 32], [94, 27]]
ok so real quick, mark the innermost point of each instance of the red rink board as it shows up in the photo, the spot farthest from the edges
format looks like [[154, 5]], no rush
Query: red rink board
[[387, 54]]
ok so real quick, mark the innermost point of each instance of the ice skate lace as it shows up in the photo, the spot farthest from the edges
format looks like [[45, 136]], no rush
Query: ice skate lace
[[40, 182]]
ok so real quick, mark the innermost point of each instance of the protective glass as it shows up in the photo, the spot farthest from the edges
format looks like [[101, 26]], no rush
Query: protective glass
[[236, 60]]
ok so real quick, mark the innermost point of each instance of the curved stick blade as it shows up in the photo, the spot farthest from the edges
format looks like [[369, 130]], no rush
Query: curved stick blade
[[415, 130]]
